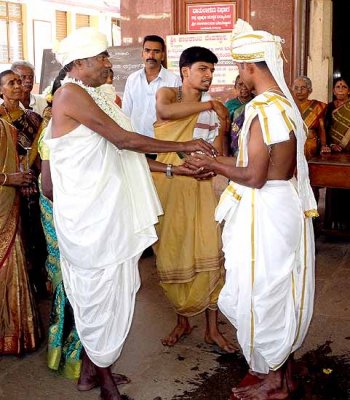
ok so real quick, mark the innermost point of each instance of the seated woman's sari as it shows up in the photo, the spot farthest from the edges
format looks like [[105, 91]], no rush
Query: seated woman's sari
[[337, 214], [64, 346], [312, 112], [19, 324]]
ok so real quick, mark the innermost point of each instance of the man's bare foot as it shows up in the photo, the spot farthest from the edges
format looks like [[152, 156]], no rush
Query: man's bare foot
[[272, 387], [257, 374], [110, 393], [213, 335], [182, 329], [109, 390], [93, 381], [219, 340]]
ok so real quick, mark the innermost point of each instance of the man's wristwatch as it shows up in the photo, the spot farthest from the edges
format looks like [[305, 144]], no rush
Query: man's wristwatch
[[169, 171]]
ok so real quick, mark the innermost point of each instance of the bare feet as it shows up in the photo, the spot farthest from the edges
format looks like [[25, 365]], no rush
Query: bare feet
[[109, 390], [213, 336], [272, 387], [93, 381], [182, 329], [221, 342]]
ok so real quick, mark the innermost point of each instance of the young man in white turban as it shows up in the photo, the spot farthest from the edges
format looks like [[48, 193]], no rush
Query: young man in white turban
[[105, 204], [268, 236]]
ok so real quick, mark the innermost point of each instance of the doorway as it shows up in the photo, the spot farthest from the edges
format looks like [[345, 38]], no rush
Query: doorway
[[341, 56]]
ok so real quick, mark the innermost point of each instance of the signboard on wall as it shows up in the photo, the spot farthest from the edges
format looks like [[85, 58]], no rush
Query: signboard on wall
[[210, 17], [218, 43], [125, 60]]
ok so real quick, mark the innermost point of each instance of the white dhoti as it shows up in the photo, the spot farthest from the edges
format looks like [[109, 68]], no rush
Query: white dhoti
[[105, 206], [269, 253]]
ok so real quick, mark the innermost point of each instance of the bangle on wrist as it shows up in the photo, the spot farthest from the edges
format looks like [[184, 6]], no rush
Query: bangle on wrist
[[211, 105], [169, 171], [5, 179]]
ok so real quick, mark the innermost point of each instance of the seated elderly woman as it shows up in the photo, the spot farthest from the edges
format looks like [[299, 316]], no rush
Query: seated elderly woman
[[313, 112]]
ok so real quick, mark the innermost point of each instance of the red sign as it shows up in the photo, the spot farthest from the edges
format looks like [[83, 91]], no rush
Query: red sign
[[211, 17]]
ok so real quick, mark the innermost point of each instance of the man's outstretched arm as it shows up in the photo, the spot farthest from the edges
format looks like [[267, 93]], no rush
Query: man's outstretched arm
[[74, 106]]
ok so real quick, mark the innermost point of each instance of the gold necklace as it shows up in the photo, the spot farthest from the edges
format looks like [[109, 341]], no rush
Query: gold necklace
[[10, 120]]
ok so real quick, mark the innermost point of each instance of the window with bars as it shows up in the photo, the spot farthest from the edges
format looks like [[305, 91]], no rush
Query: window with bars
[[82, 20], [61, 24], [11, 32]]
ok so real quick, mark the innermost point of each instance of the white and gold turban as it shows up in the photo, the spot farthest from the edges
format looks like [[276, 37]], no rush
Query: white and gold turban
[[249, 46], [81, 43]]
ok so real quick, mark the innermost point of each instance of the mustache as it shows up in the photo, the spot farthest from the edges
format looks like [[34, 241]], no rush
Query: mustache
[[150, 59]]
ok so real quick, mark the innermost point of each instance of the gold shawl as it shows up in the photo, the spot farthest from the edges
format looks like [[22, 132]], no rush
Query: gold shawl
[[312, 111], [9, 202]]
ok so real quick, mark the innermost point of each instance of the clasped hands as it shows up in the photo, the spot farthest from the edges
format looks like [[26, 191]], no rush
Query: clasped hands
[[199, 165]]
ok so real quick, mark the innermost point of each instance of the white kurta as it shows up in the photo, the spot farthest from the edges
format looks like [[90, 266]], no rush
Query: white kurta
[[269, 258], [105, 206]]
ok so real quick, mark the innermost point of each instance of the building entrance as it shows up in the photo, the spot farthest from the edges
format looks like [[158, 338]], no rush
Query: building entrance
[[341, 55]]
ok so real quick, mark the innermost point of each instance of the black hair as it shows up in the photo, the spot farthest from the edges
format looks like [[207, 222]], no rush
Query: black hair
[[5, 73], [340, 78], [195, 54], [57, 82], [154, 38], [69, 66], [261, 64]]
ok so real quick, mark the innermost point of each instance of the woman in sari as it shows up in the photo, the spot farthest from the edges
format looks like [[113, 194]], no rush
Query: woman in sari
[[312, 112], [64, 346], [236, 108], [338, 134], [19, 324], [27, 123]]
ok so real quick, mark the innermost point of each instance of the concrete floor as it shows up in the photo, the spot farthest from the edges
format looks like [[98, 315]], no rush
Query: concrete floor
[[160, 373]]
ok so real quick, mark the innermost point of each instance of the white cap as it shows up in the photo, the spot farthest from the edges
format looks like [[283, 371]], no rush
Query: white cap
[[82, 43]]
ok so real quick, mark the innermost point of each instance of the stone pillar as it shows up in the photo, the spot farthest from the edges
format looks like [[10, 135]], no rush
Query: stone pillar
[[320, 60]]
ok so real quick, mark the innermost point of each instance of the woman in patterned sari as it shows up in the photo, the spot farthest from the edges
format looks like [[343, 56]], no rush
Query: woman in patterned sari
[[19, 324], [64, 346], [27, 123], [338, 133], [312, 112]]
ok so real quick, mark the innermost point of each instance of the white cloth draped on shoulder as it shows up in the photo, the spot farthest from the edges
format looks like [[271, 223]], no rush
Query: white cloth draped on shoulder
[[105, 206]]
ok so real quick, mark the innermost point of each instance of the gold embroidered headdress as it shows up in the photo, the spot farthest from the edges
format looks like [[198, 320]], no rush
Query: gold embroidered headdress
[[249, 46]]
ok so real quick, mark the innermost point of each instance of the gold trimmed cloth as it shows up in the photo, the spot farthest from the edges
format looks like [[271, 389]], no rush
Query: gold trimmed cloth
[[312, 112], [189, 255], [269, 260], [9, 202], [19, 326]]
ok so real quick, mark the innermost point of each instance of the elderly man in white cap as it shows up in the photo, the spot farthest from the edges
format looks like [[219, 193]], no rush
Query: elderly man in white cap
[[268, 236], [105, 204]]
